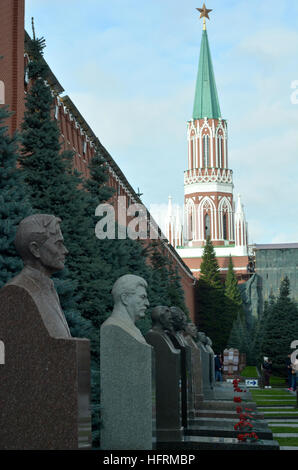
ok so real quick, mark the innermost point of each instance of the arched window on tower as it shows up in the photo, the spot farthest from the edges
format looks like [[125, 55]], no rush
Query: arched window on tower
[[219, 151], [224, 226], [207, 226], [2, 92], [206, 150]]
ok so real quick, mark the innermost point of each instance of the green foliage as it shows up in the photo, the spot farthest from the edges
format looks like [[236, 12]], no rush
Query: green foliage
[[280, 327], [209, 267], [249, 372], [14, 204], [232, 290], [165, 287], [53, 187], [259, 332], [211, 300], [240, 335]]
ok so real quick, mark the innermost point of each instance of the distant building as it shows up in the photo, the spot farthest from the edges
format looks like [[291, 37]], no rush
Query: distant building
[[272, 263]]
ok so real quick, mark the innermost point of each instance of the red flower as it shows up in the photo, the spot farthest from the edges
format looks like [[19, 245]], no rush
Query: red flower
[[237, 400], [238, 409]]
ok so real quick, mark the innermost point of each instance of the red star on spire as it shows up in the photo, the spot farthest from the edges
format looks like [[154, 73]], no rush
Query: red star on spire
[[204, 12]]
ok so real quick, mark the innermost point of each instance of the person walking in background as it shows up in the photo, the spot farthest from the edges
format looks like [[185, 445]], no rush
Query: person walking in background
[[294, 375], [267, 371], [289, 371], [218, 368]]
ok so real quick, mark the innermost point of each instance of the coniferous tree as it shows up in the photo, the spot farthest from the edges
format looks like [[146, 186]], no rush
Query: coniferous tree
[[209, 267], [281, 328], [259, 332], [14, 204], [232, 291], [53, 187], [234, 312], [211, 300]]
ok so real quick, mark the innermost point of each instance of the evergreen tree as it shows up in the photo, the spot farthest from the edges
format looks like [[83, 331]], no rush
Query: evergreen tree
[[259, 332], [239, 338], [14, 204], [211, 300], [209, 267], [232, 291], [281, 328], [234, 312], [54, 187]]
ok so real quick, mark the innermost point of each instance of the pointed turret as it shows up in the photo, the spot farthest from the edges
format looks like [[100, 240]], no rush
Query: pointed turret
[[240, 225], [206, 102]]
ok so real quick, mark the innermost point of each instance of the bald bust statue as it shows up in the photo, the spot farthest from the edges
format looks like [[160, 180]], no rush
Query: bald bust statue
[[39, 242]]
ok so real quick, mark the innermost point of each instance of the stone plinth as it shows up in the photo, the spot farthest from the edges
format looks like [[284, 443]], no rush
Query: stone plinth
[[206, 369], [45, 381], [168, 390], [197, 375], [187, 405], [127, 388], [212, 443]]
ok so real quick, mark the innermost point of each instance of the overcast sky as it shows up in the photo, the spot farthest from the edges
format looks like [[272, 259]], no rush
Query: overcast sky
[[130, 67]]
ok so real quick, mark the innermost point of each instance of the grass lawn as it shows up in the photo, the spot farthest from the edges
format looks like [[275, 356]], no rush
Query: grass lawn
[[277, 381], [272, 397], [250, 372], [287, 441], [275, 403], [270, 391], [276, 429]]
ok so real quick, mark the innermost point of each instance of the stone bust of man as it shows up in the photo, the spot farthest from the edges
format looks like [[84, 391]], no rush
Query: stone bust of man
[[162, 319], [191, 330], [202, 338], [130, 304], [179, 319], [39, 242]]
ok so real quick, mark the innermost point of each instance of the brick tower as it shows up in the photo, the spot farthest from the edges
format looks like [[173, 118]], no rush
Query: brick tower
[[209, 208]]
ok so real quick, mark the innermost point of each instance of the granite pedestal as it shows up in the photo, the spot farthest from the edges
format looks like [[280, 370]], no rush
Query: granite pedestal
[[187, 401], [127, 390], [45, 381], [168, 389]]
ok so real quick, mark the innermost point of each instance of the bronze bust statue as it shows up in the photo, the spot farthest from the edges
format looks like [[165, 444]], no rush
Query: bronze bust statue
[[39, 242]]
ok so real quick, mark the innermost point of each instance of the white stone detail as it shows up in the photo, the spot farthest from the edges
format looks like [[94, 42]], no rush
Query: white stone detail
[[202, 175]]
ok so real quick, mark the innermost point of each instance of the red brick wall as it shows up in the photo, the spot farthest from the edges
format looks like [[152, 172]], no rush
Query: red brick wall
[[12, 64]]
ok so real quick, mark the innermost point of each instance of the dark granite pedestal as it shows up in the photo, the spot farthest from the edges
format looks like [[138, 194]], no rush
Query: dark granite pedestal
[[217, 443], [187, 391], [225, 428], [168, 387], [45, 381]]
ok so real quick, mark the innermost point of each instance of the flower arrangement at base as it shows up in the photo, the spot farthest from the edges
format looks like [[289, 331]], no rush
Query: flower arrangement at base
[[244, 424], [249, 436]]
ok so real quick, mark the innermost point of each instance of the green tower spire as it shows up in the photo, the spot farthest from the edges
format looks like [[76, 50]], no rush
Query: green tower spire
[[206, 102]]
